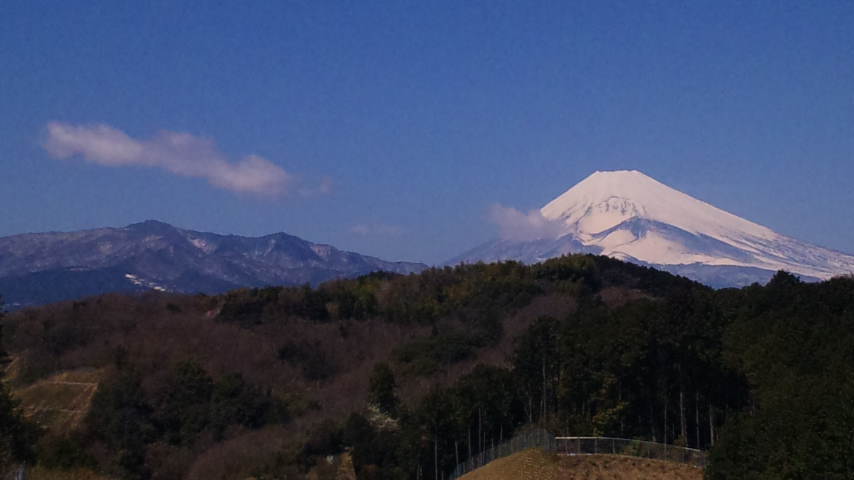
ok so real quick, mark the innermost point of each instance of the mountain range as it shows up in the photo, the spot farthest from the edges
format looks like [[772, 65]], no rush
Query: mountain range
[[622, 214], [633, 217], [39, 268]]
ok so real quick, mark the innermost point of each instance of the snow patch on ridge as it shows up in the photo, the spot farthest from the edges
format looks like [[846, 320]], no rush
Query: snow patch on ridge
[[145, 283]]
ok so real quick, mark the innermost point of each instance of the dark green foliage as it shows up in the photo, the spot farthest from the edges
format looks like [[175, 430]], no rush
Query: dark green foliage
[[354, 299], [192, 402], [4, 355], [308, 357], [65, 452], [487, 400], [428, 355], [185, 407], [570, 272], [356, 428], [324, 439], [334, 300], [795, 344], [121, 417], [248, 307], [125, 418], [482, 407], [603, 370], [236, 402], [18, 436], [382, 389], [378, 454], [60, 337], [473, 290]]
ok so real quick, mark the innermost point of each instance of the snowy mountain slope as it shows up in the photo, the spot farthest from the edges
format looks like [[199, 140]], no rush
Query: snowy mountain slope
[[44, 267], [628, 215]]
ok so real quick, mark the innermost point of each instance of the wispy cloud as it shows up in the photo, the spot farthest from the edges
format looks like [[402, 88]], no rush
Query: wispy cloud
[[365, 229], [178, 153], [323, 187], [519, 226]]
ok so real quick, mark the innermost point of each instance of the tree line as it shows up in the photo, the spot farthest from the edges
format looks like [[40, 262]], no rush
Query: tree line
[[760, 376]]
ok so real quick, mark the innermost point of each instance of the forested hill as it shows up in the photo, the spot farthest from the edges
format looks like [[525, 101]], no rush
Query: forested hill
[[413, 373]]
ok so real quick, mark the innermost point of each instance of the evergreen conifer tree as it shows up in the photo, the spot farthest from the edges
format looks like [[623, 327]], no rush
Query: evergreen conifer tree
[[17, 436]]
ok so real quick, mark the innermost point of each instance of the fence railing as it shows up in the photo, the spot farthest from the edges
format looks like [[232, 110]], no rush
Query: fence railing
[[537, 438], [629, 447]]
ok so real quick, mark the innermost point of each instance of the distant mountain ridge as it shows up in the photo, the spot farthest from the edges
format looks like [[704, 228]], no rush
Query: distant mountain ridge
[[631, 216], [39, 268]]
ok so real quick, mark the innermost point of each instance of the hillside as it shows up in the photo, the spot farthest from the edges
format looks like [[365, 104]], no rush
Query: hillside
[[40, 268], [410, 371], [536, 464]]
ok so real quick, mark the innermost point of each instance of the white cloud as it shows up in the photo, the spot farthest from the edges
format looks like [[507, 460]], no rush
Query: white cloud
[[324, 187], [518, 226], [364, 229], [178, 153]]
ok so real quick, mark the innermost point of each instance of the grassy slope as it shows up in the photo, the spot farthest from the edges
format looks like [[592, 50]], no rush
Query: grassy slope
[[536, 464], [60, 402]]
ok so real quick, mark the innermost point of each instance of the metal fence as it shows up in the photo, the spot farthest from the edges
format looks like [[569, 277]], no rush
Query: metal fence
[[631, 448], [537, 438]]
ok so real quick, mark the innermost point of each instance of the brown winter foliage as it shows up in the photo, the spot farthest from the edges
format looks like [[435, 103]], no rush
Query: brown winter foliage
[[312, 350]]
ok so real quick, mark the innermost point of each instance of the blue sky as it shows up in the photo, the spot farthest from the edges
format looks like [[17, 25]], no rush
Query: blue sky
[[390, 128]]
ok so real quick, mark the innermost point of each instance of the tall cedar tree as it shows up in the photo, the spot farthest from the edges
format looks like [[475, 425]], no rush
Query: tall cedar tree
[[17, 435]]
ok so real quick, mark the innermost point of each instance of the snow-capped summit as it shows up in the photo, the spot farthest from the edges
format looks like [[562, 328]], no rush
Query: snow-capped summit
[[629, 215], [606, 199]]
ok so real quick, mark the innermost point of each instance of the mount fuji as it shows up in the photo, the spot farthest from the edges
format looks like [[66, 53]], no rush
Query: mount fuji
[[631, 216]]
